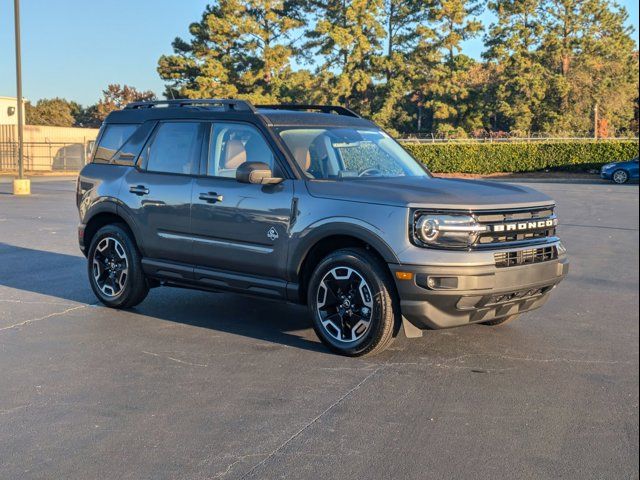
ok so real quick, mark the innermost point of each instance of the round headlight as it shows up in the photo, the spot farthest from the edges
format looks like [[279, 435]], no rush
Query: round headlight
[[449, 231], [427, 228]]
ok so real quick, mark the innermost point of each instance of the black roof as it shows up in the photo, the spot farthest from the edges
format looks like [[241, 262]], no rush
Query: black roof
[[210, 109]]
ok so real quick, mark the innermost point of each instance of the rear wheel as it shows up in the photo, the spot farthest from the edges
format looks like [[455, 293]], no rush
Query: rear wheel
[[620, 177], [500, 321], [115, 270], [352, 301]]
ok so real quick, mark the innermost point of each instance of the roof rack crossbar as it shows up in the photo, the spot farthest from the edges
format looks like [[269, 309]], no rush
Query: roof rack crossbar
[[322, 108], [227, 104]]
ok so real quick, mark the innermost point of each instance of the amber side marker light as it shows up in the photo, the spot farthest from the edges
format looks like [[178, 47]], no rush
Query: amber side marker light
[[404, 275]]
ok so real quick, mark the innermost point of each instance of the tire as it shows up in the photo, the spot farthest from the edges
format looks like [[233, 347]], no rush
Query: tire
[[113, 249], [500, 321], [620, 177], [353, 303]]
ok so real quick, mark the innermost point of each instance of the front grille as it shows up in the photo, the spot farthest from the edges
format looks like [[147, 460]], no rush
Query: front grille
[[525, 257], [533, 220]]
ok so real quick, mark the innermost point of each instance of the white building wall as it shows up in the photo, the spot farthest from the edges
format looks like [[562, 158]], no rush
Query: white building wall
[[7, 106]]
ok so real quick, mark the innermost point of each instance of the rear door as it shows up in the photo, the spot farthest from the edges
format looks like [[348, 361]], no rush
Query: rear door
[[158, 193], [236, 226]]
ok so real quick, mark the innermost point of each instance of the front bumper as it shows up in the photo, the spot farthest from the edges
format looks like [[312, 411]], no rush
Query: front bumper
[[474, 294]]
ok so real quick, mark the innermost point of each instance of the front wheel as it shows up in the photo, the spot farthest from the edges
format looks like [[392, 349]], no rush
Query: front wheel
[[352, 301], [620, 177], [115, 270]]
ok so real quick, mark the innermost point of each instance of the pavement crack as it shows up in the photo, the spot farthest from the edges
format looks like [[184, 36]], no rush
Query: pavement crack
[[531, 359], [177, 360], [237, 461], [9, 410], [50, 315], [314, 420], [31, 302]]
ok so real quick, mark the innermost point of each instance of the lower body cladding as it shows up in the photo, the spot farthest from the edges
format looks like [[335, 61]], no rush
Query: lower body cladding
[[451, 296]]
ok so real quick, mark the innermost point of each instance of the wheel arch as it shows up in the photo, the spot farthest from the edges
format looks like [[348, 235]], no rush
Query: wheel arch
[[100, 218], [322, 242]]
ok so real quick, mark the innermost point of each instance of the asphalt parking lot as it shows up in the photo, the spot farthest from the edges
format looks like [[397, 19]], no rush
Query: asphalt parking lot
[[194, 385]]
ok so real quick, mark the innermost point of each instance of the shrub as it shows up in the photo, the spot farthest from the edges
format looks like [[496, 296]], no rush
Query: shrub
[[483, 158]]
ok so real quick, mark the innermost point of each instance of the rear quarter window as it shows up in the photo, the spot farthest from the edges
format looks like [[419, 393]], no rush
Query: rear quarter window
[[113, 137]]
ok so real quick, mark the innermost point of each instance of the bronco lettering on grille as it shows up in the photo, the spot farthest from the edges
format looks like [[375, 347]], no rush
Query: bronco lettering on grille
[[521, 226]]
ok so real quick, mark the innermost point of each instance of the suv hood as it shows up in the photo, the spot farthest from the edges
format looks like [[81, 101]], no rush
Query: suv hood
[[425, 192]]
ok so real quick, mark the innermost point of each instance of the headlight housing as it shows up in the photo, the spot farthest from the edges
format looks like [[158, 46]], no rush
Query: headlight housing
[[447, 231]]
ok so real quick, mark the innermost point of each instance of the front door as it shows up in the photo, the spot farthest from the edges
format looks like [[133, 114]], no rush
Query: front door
[[239, 227]]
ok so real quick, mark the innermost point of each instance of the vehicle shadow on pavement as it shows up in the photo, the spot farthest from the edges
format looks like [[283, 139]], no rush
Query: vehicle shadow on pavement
[[64, 277]]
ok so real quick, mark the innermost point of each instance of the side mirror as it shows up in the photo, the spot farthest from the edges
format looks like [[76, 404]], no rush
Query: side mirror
[[256, 172]]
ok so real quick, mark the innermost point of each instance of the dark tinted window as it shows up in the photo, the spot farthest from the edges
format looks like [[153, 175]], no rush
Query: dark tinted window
[[112, 139], [175, 148]]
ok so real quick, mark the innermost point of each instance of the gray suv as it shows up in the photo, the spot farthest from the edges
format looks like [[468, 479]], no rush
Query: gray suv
[[307, 204]]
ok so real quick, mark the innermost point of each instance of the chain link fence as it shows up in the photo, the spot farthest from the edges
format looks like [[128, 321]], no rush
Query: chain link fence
[[45, 157]]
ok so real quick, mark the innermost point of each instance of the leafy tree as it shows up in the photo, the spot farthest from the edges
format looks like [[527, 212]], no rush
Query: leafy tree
[[116, 97], [87, 117], [56, 112]]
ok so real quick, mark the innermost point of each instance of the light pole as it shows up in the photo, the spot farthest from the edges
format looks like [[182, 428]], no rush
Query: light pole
[[21, 185]]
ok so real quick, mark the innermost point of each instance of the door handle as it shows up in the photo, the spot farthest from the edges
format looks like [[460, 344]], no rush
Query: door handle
[[211, 197], [139, 190]]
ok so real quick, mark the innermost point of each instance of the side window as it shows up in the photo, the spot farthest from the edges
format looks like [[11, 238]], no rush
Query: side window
[[175, 148], [112, 139], [233, 144]]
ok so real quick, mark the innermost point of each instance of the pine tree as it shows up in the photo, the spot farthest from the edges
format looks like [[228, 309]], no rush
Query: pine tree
[[347, 35], [393, 102], [444, 78], [521, 85], [593, 62], [239, 48]]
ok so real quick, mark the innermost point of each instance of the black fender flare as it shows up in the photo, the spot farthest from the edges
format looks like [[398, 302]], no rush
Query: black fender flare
[[305, 240], [114, 206]]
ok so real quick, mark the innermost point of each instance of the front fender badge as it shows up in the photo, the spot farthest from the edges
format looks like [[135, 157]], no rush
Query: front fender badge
[[272, 234]]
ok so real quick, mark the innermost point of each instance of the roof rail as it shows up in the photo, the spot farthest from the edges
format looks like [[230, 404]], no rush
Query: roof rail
[[227, 104], [322, 108]]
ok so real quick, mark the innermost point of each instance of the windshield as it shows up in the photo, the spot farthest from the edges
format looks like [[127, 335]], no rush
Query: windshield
[[347, 153]]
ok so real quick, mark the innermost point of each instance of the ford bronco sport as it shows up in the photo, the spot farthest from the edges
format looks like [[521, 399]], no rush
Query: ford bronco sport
[[307, 204]]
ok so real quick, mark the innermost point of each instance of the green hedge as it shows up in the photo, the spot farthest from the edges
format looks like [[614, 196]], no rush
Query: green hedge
[[521, 157]]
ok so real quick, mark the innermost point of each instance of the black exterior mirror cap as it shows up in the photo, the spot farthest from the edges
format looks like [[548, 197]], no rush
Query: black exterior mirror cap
[[256, 172]]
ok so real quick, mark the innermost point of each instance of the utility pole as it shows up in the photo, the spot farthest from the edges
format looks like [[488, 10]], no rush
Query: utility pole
[[21, 186], [596, 121]]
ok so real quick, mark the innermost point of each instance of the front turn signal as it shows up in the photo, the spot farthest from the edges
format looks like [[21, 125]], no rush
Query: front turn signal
[[404, 275]]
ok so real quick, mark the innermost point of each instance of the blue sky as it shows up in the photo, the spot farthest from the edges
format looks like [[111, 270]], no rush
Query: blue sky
[[75, 48]]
